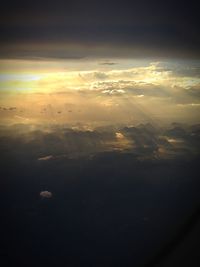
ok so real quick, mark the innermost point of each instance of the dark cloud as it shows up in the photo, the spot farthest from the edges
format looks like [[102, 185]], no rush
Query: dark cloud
[[108, 63], [180, 69], [8, 108], [194, 91], [152, 29], [103, 199], [144, 141]]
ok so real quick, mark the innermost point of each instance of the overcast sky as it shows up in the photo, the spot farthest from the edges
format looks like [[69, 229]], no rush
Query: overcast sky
[[73, 29], [127, 61]]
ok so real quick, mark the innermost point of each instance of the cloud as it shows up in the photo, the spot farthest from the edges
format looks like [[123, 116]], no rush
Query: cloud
[[119, 135], [128, 93], [194, 91], [108, 63], [46, 194], [61, 144], [46, 158], [113, 92], [100, 75], [132, 88]]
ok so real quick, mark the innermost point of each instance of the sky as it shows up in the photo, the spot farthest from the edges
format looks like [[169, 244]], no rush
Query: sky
[[74, 29], [98, 92], [99, 131], [128, 62]]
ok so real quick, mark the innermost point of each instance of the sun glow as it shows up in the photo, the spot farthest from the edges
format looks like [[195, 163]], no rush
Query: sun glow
[[41, 91]]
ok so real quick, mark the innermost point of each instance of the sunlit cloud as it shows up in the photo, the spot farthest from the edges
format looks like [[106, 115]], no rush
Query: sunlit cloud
[[124, 92], [45, 158], [46, 194]]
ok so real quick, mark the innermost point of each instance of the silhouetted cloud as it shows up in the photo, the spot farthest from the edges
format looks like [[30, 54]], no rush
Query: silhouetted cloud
[[108, 63], [61, 144], [125, 29]]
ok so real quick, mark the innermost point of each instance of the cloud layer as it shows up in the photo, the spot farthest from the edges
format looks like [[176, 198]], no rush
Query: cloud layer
[[128, 92]]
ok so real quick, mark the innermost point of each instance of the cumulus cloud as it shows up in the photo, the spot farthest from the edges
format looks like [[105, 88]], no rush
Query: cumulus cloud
[[132, 88], [113, 92]]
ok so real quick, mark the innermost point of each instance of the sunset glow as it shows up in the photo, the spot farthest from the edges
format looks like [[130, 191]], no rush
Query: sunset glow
[[99, 133]]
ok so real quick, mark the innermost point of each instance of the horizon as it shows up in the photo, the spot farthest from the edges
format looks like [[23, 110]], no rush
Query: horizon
[[99, 133]]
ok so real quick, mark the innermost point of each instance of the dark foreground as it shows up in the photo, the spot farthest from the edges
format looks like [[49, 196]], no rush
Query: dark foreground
[[111, 209]]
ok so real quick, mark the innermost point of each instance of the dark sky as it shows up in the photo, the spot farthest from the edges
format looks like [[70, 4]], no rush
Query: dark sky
[[145, 28]]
